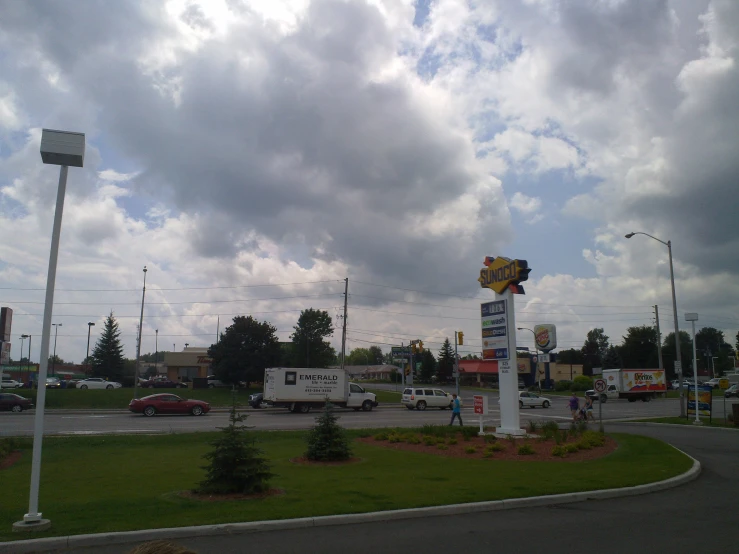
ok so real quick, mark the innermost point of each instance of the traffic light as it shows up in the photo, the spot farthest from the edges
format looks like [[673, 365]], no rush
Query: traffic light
[[460, 338], [408, 369], [414, 350], [420, 346]]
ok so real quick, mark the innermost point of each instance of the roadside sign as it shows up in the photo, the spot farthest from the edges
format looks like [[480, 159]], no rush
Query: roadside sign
[[678, 367], [599, 385], [723, 384], [479, 404]]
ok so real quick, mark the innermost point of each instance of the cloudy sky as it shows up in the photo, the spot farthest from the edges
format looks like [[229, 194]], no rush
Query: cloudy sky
[[254, 153]]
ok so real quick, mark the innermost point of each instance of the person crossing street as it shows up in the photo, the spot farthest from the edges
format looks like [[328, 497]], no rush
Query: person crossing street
[[456, 410]]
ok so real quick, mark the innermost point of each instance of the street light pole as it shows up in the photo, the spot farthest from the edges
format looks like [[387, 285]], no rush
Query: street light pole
[[64, 149], [156, 352], [693, 317], [138, 346], [29, 359], [20, 361], [90, 325], [53, 358], [678, 356]]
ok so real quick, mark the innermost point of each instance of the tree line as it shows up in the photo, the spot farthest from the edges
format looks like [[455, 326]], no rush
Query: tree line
[[638, 350]]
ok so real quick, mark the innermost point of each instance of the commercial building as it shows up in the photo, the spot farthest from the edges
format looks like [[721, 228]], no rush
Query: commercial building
[[191, 362]]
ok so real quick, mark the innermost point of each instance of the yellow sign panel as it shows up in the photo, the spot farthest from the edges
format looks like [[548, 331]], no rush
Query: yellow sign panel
[[723, 384], [501, 273]]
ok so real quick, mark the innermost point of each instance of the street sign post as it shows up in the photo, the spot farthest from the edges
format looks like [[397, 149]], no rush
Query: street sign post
[[600, 386], [723, 384], [480, 405]]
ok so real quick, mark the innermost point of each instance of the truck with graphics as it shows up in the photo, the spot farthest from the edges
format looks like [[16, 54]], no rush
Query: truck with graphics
[[301, 389], [635, 384]]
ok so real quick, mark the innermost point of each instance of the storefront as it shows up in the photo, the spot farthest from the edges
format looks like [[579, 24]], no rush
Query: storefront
[[192, 362]]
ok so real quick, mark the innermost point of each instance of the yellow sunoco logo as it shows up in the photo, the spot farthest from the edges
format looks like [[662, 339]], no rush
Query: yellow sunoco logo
[[501, 273]]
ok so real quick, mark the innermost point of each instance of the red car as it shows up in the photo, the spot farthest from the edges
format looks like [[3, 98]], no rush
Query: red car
[[14, 402], [167, 404]]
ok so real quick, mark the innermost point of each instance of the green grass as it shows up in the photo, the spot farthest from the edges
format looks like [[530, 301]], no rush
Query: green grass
[[386, 396], [682, 421], [119, 398], [117, 483]]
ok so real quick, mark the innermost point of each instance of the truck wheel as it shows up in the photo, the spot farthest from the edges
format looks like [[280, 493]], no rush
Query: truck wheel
[[520, 404], [409, 407], [304, 408], [367, 406], [646, 398], [632, 399], [421, 405]]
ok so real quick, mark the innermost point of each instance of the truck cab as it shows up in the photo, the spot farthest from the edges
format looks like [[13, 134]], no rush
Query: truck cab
[[360, 399]]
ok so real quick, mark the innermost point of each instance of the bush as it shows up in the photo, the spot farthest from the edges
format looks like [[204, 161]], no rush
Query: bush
[[582, 426], [511, 439], [525, 450], [582, 383], [583, 444], [11, 444], [565, 436], [470, 449], [571, 448], [394, 438], [469, 432], [496, 447], [562, 386], [594, 439], [550, 426], [413, 439], [533, 426], [451, 440], [489, 439], [327, 441], [381, 436], [441, 446], [237, 465], [429, 441], [559, 451], [435, 430]]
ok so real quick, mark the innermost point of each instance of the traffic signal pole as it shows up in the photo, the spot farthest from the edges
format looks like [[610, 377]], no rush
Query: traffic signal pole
[[456, 363]]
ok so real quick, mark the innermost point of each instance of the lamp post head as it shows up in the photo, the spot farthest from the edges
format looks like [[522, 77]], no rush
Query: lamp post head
[[25, 336], [144, 269], [62, 148], [629, 235]]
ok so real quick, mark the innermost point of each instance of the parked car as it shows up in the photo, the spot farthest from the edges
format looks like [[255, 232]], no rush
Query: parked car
[[10, 384], [161, 383], [733, 390], [594, 395], [14, 402], [164, 403], [256, 400], [53, 383], [713, 383], [532, 400], [97, 383], [421, 398], [214, 382]]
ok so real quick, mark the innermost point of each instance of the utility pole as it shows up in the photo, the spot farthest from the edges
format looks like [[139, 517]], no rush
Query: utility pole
[[456, 362], [659, 338], [343, 329], [138, 346]]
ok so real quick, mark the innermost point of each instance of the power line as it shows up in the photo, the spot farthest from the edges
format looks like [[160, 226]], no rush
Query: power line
[[183, 302], [155, 316], [182, 288]]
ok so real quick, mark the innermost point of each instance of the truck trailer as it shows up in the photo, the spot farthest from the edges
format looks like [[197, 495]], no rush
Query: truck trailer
[[635, 384], [301, 389]]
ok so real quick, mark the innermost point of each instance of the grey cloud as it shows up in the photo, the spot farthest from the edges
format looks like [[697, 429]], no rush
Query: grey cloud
[[297, 143]]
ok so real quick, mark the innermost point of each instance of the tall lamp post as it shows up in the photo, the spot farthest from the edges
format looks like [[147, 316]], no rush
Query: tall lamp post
[[693, 317], [138, 346], [90, 325], [536, 349], [156, 352], [20, 363], [53, 358], [64, 149], [678, 357], [28, 358]]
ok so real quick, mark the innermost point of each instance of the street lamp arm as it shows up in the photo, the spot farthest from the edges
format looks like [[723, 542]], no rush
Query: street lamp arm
[[648, 235]]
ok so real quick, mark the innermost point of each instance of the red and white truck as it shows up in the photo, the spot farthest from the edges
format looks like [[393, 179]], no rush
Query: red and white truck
[[635, 384]]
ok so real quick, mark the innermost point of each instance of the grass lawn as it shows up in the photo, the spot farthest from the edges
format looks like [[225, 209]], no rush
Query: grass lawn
[[386, 396], [682, 421], [119, 398], [117, 483]]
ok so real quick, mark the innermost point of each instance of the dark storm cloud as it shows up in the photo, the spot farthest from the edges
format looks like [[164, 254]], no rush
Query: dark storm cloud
[[290, 136]]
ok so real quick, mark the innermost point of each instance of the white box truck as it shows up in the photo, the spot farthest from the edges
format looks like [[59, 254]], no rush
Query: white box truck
[[635, 384], [301, 389]]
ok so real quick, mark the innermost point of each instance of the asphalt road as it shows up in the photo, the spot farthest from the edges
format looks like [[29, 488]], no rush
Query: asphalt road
[[99, 422], [697, 517]]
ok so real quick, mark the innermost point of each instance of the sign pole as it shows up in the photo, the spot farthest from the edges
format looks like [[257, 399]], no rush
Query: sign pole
[[600, 414]]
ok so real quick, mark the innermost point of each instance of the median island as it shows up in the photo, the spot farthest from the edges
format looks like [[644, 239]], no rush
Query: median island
[[99, 484]]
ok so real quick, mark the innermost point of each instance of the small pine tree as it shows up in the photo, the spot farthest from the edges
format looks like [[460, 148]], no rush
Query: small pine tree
[[107, 357], [237, 464], [327, 441]]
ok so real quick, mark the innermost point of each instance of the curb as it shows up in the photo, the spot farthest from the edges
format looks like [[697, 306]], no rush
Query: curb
[[128, 537], [654, 424]]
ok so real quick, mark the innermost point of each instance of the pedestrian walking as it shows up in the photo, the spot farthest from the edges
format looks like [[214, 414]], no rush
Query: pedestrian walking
[[574, 404], [456, 410], [589, 409]]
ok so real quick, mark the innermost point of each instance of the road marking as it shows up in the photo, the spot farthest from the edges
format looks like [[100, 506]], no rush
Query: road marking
[[113, 431], [86, 417]]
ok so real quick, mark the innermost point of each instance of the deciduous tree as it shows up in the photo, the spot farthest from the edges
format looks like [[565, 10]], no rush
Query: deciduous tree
[[310, 347]]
